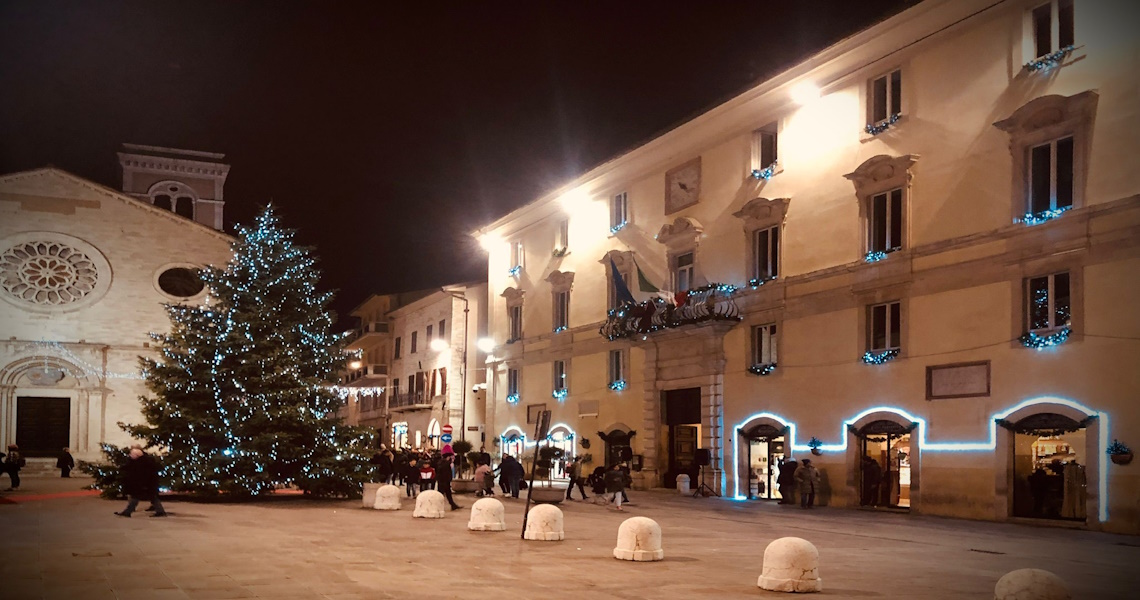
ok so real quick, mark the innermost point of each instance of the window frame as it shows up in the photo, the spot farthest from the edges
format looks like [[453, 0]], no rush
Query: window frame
[[442, 328], [514, 382], [1051, 296], [1053, 146], [514, 323], [616, 374], [413, 343], [1059, 28], [888, 226], [518, 256], [396, 348], [560, 311], [765, 331], [893, 95], [773, 239], [677, 269], [759, 145], [562, 237], [619, 211], [559, 375], [887, 322]]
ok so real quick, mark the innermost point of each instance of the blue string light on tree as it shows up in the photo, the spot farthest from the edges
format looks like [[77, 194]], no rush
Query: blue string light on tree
[[879, 357], [877, 128], [1039, 342], [762, 369], [1050, 60]]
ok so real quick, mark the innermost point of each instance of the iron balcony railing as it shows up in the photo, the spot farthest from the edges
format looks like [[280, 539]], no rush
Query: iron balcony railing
[[710, 303], [366, 372], [408, 400]]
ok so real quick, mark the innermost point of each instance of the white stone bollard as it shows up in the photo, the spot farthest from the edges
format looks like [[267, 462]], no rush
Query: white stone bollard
[[369, 499], [430, 504], [791, 564], [544, 522], [639, 538], [683, 485], [388, 498], [1031, 584], [487, 514]]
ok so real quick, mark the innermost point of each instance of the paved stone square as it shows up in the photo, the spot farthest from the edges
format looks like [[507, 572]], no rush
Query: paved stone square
[[60, 545]]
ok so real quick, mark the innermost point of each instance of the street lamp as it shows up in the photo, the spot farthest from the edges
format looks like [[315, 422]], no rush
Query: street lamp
[[439, 344]]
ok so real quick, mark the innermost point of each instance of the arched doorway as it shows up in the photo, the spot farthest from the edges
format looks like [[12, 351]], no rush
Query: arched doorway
[[433, 433], [618, 442], [400, 435], [766, 449], [513, 443], [562, 438], [1049, 458], [885, 466]]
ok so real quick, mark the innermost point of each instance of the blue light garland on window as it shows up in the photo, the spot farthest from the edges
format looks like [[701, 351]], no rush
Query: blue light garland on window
[[559, 252], [1038, 342], [880, 357], [560, 329], [766, 173], [1037, 218], [1049, 60], [559, 394], [762, 370], [877, 128], [514, 271], [617, 228], [756, 282], [618, 385], [512, 398]]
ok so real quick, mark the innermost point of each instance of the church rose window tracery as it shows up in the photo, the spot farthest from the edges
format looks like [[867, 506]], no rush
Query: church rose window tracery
[[47, 273]]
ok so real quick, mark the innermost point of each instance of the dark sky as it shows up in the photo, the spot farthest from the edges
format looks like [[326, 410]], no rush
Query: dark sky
[[386, 134]]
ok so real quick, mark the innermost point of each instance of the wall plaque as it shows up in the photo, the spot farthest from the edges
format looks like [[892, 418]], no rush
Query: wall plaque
[[958, 380]]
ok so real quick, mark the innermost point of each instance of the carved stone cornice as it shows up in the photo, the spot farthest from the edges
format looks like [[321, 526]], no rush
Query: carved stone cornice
[[513, 295], [681, 233], [561, 281], [881, 173], [762, 212], [1047, 111], [622, 259]]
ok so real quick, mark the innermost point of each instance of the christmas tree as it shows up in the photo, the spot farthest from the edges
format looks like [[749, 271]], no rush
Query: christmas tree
[[241, 400]]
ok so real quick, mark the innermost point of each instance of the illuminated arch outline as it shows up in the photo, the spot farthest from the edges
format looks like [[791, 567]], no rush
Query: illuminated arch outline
[[923, 444], [526, 439]]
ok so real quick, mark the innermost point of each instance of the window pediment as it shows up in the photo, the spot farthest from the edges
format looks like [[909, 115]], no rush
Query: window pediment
[[513, 295], [881, 173], [760, 212], [561, 281], [622, 259], [683, 232], [1046, 111]]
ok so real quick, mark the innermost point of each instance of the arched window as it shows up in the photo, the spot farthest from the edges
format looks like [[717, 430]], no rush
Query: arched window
[[174, 196]]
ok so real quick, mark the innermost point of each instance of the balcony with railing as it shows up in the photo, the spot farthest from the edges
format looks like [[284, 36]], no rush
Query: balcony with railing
[[366, 375], [367, 330], [713, 302], [408, 401]]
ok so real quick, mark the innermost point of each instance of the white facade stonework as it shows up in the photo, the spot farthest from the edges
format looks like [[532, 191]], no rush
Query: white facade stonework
[[903, 241], [81, 266]]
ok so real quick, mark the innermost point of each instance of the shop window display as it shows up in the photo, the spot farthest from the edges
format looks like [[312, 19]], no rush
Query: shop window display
[[765, 454], [884, 469], [1049, 476]]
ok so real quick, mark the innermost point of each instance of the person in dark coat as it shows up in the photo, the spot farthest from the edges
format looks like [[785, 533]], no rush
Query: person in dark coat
[[13, 462], [411, 477], [513, 471], [808, 481], [615, 485], [872, 477], [574, 472], [140, 482], [65, 463], [443, 478], [786, 480]]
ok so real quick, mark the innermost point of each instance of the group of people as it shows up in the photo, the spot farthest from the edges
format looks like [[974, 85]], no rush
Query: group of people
[[794, 478], [416, 470]]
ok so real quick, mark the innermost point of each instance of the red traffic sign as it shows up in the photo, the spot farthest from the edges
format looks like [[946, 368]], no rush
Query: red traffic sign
[[446, 429]]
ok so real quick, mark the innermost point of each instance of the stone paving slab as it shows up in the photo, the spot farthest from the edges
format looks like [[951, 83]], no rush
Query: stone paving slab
[[69, 546]]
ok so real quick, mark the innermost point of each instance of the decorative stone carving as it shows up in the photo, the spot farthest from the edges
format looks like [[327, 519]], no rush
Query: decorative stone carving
[[561, 281], [388, 498], [544, 523], [1046, 111], [622, 259], [47, 273], [45, 376], [791, 564], [762, 212], [683, 232], [881, 173], [639, 539], [513, 295], [1031, 584], [487, 514], [430, 504]]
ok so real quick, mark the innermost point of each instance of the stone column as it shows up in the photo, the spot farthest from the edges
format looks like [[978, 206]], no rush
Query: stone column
[[650, 475], [712, 419]]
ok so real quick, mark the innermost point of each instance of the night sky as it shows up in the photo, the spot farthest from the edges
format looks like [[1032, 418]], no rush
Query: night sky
[[386, 134]]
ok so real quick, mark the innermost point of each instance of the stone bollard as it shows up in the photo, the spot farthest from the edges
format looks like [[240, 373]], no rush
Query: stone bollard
[[639, 538], [791, 564], [683, 485], [369, 499], [487, 514], [1031, 584], [544, 522], [430, 504], [388, 498]]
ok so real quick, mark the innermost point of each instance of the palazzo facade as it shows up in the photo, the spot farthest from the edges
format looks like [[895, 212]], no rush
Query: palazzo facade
[[917, 248]]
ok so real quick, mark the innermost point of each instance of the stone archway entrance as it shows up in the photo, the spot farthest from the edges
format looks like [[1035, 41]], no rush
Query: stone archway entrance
[[766, 448], [46, 404], [43, 425], [1049, 457], [884, 465]]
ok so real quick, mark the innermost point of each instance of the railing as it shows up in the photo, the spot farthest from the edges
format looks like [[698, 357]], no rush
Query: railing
[[366, 372], [408, 400], [710, 303]]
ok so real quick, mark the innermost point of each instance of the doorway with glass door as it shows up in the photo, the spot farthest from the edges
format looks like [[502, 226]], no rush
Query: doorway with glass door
[[884, 465], [682, 420], [765, 458]]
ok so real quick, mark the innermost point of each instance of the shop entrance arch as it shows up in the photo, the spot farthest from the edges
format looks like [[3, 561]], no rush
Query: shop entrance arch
[[1049, 459], [767, 446], [883, 458]]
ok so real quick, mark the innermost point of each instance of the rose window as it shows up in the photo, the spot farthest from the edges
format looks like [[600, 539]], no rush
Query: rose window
[[47, 273]]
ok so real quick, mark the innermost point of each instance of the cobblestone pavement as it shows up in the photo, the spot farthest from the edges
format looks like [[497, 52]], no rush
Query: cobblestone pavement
[[57, 544]]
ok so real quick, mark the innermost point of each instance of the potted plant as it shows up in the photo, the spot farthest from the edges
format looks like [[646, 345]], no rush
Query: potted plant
[[464, 468], [814, 443], [1119, 452], [461, 449], [544, 469]]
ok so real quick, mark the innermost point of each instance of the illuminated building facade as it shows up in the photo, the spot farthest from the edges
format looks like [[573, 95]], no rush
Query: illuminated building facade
[[918, 247]]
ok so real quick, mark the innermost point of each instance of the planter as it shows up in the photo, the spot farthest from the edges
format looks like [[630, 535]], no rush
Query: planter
[[1121, 459], [817, 451], [464, 486], [547, 495]]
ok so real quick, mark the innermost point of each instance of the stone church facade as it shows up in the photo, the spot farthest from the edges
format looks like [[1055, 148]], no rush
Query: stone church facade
[[84, 273]]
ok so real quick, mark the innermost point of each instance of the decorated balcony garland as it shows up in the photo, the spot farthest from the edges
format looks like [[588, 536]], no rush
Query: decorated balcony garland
[[1037, 342], [512, 398], [762, 370], [1037, 218], [880, 357], [877, 128], [617, 228], [618, 385], [559, 394], [1050, 60], [756, 282], [514, 271], [766, 173]]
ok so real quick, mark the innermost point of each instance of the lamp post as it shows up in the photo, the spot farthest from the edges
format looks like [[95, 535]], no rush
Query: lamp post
[[463, 367]]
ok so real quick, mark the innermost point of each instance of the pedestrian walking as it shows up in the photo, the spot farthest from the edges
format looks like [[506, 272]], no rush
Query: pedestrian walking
[[807, 482], [411, 478], [574, 472], [512, 469], [13, 462], [786, 481], [443, 478], [615, 485], [65, 463], [140, 482], [872, 477]]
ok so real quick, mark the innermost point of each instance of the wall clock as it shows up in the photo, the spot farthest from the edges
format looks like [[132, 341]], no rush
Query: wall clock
[[683, 186]]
